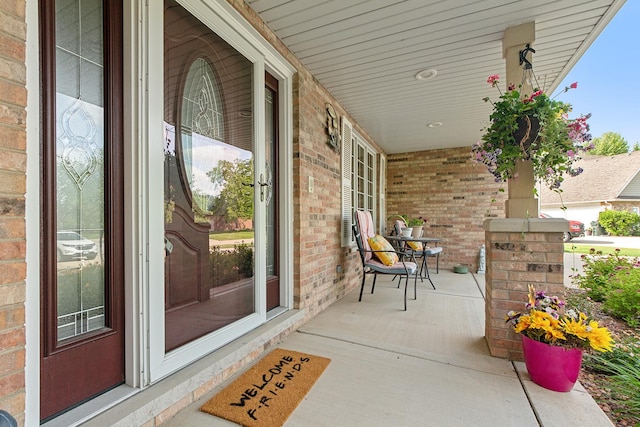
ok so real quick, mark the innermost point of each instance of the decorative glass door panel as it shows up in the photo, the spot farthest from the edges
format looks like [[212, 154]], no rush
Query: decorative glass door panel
[[208, 181], [80, 148], [82, 203]]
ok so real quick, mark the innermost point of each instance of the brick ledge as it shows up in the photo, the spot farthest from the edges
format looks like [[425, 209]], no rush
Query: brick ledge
[[526, 225]]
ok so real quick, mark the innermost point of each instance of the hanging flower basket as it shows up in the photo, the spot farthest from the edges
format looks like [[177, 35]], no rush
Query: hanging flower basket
[[532, 127]]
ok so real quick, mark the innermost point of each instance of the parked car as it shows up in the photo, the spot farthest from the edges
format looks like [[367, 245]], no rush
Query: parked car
[[576, 228], [72, 245]]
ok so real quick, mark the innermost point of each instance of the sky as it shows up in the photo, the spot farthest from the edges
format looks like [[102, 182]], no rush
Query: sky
[[608, 77]]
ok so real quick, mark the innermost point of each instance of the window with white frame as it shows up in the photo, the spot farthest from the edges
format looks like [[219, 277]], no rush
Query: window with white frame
[[360, 180], [363, 175]]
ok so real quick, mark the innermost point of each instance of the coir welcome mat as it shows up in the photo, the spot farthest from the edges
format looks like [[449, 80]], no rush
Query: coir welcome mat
[[268, 392]]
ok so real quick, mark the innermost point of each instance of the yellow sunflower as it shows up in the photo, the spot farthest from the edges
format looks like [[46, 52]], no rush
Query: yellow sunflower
[[576, 327], [599, 338], [524, 322]]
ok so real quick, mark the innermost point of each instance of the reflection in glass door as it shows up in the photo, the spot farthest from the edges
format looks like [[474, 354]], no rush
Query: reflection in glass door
[[208, 181]]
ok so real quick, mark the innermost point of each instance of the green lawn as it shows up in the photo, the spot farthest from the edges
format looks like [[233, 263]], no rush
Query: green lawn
[[585, 249], [232, 235]]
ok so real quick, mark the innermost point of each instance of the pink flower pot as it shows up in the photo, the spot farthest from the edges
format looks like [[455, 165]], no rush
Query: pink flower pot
[[554, 368]]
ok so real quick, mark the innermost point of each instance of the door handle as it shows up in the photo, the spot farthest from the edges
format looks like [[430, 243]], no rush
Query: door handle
[[263, 184]]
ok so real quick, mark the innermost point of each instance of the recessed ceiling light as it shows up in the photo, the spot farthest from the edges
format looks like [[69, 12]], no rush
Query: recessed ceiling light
[[434, 124], [426, 74]]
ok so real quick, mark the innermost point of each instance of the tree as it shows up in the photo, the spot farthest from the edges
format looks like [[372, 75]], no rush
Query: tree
[[619, 223], [235, 180], [609, 144]]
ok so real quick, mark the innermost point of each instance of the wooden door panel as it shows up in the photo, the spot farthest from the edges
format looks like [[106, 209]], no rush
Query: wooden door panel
[[186, 265], [77, 373], [273, 292]]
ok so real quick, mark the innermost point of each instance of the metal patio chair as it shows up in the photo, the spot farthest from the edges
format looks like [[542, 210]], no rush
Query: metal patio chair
[[363, 229]]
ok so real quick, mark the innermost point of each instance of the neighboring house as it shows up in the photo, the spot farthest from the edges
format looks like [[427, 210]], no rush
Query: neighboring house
[[608, 182], [116, 118]]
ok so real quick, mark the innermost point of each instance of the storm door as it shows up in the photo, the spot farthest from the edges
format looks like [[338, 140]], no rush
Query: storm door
[[82, 342], [209, 181]]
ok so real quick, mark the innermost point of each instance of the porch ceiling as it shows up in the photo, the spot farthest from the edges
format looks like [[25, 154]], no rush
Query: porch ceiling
[[367, 53]]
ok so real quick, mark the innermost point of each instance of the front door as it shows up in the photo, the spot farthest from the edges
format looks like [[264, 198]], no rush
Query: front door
[[82, 343], [272, 174]]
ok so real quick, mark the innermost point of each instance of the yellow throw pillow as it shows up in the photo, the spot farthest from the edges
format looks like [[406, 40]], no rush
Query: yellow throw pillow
[[416, 246], [379, 243]]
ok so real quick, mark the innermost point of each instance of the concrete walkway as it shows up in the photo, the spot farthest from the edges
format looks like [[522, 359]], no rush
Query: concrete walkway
[[428, 366], [609, 241]]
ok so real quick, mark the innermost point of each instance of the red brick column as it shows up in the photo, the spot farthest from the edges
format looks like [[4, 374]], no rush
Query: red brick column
[[520, 252]]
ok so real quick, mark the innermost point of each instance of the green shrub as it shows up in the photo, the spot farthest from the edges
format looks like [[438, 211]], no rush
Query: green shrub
[[245, 259], [230, 265], [619, 223], [623, 366], [598, 271], [623, 297], [613, 280]]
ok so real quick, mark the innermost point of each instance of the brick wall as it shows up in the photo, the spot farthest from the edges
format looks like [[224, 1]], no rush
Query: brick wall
[[13, 100], [452, 192], [517, 257], [318, 214]]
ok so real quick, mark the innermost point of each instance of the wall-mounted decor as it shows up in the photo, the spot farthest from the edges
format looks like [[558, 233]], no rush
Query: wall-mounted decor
[[332, 128]]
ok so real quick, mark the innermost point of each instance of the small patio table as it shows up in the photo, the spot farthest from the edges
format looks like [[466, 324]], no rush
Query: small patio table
[[424, 241]]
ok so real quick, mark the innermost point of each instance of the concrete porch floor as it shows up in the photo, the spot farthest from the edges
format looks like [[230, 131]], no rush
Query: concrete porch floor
[[428, 366]]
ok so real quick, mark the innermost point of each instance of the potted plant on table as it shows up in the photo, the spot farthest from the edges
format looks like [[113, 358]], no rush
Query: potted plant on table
[[413, 226], [404, 218], [553, 339], [532, 127], [417, 225]]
